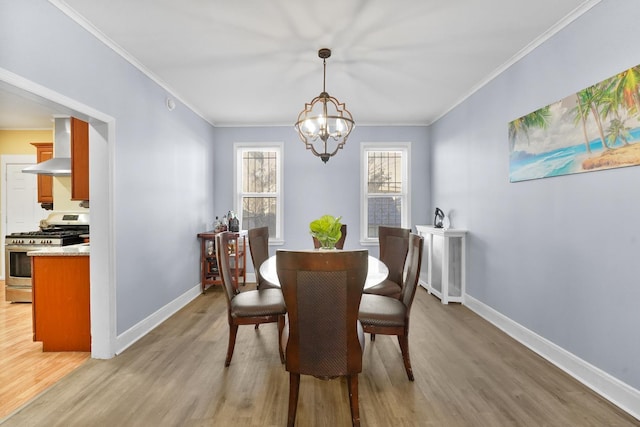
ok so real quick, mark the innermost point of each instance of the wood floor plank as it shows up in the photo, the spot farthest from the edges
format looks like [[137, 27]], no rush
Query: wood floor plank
[[468, 373], [25, 371]]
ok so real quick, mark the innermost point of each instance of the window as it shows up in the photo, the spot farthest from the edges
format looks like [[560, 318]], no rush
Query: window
[[385, 188], [258, 187]]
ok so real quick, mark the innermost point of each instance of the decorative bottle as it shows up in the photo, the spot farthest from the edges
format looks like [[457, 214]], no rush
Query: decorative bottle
[[234, 223]]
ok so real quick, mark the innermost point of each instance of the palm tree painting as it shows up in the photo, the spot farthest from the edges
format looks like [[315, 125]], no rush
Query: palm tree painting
[[597, 128]]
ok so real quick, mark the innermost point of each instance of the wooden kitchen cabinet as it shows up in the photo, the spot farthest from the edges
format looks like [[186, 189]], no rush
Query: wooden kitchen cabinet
[[60, 308], [44, 151], [79, 159], [210, 275]]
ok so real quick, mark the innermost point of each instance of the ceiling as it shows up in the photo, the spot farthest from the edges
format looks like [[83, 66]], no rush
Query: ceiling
[[255, 62]]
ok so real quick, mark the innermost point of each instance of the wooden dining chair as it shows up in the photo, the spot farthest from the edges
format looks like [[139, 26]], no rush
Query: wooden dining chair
[[390, 316], [339, 243], [323, 338], [394, 244], [249, 307], [259, 248]]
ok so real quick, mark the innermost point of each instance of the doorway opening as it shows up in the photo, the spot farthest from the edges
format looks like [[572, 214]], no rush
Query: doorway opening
[[101, 153]]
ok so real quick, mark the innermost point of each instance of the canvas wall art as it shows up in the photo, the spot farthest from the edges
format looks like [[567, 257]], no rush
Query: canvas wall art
[[597, 128]]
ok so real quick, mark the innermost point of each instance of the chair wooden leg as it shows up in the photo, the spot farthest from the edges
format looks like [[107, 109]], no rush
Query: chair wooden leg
[[233, 330], [294, 387], [352, 381], [280, 329], [403, 340]]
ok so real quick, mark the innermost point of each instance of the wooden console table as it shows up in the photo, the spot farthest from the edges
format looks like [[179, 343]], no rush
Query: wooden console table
[[209, 273]]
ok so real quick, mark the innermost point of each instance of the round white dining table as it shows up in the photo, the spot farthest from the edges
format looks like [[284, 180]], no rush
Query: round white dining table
[[376, 272]]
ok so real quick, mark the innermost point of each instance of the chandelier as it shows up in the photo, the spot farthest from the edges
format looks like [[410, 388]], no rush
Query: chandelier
[[324, 121]]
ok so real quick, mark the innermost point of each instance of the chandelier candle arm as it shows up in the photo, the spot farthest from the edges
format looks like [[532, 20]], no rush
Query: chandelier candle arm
[[324, 118]]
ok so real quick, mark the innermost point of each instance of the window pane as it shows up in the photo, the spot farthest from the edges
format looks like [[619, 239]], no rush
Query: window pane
[[383, 211], [384, 172], [258, 212], [259, 172]]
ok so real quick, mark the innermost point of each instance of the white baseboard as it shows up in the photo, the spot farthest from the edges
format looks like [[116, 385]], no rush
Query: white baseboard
[[609, 387], [142, 328]]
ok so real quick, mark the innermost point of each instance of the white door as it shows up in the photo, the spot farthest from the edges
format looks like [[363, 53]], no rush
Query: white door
[[20, 206], [23, 211]]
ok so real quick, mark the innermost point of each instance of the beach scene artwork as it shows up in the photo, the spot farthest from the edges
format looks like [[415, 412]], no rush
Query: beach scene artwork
[[597, 128]]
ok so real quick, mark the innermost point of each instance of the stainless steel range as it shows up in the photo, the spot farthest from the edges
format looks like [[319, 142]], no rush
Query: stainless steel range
[[59, 229]]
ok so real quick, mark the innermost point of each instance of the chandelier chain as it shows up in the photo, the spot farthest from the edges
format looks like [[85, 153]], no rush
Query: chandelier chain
[[324, 78]]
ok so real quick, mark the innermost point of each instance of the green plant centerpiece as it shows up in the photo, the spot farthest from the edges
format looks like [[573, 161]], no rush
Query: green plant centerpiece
[[327, 230]]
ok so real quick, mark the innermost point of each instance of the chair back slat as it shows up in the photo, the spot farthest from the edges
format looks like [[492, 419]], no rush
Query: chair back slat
[[259, 249], [414, 265], [224, 265]]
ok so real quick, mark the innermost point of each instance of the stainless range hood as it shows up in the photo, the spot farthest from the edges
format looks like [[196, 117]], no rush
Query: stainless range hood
[[60, 164]]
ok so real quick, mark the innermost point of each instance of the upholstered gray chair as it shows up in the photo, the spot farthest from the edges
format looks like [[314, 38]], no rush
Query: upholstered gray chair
[[390, 316], [324, 339], [249, 307], [394, 244]]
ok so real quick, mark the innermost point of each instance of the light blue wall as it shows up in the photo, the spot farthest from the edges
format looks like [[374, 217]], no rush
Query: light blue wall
[[163, 176], [313, 188], [557, 255]]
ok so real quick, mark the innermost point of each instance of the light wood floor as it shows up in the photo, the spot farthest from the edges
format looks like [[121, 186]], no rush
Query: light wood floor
[[25, 370], [467, 374]]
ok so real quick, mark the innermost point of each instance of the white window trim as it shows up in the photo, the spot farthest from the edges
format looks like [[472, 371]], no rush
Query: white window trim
[[239, 147], [365, 147]]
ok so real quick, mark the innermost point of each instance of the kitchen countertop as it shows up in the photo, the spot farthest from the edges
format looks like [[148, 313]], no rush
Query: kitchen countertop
[[82, 249]]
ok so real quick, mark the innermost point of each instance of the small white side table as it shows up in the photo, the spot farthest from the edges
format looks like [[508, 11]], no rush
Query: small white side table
[[444, 253]]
